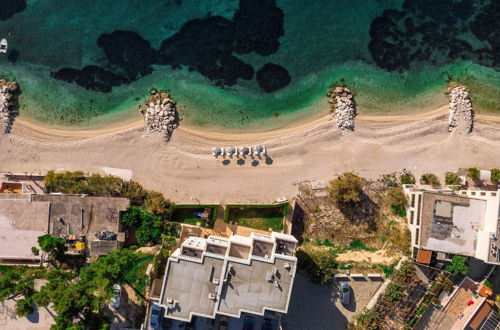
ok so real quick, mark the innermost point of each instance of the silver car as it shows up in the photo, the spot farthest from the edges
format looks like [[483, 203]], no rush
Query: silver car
[[115, 301], [345, 293]]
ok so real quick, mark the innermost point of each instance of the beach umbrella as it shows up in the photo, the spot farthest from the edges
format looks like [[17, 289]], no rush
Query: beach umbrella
[[259, 149], [245, 151], [217, 151], [231, 150]]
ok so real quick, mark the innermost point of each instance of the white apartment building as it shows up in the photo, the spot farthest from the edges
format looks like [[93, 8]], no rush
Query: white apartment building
[[463, 222], [228, 276]]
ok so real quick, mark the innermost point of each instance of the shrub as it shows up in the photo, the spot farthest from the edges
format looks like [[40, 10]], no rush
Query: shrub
[[495, 175], [395, 292], [396, 198], [430, 179], [407, 178], [24, 307], [148, 225], [458, 266], [319, 264], [488, 284], [473, 173], [367, 320], [97, 185], [452, 179], [346, 190]]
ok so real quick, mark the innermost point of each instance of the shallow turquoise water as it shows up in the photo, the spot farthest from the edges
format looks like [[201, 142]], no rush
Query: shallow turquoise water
[[323, 41]]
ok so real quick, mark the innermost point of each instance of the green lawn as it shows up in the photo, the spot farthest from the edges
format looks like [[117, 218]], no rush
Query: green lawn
[[260, 217], [136, 275], [262, 223], [185, 214]]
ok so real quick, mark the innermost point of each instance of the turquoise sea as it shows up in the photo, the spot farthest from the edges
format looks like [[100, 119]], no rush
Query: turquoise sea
[[235, 63]]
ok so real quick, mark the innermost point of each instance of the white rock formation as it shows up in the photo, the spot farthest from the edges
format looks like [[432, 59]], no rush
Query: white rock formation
[[343, 105], [461, 115], [161, 114], [8, 101]]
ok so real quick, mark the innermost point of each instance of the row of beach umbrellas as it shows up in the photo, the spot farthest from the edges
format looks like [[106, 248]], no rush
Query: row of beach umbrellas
[[244, 151]]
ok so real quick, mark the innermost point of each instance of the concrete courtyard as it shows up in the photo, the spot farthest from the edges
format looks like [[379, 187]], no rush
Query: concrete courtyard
[[315, 306]]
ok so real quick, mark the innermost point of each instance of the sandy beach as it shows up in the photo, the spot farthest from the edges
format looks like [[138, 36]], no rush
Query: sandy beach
[[185, 171]]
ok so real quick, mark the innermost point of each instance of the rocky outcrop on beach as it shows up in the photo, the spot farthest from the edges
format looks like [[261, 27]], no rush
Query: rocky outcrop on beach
[[8, 103], [461, 114], [161, 114], [343, 106]]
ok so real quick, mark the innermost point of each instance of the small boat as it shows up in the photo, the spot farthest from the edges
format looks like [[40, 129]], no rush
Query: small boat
[[3, 46]]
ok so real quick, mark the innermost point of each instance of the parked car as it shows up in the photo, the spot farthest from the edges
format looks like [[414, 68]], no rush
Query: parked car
[[345, 293], [115, 301], [156, 319], [248, 323], [268, 324]]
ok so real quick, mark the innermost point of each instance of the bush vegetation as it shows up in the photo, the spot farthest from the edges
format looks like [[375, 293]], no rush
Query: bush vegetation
[[407, 178], [346, 190], [77, 296], [54, 249], [368, 319], [458, 266], [452, 179], [430, 179], [495, 175], [148, 225], [319, 263], [396, 198], [473, 173], [111, 186]]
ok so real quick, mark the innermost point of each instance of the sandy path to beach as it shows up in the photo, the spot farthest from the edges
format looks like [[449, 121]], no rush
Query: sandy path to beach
[[185, 170]]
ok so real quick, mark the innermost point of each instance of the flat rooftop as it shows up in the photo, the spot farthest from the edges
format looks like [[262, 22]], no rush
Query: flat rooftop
[[189, 283], [21, 223], [250, 289], [228, 276], [451, 223], [83, 215]]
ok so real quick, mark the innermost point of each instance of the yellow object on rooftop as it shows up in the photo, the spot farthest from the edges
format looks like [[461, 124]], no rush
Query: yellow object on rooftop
[[80, 246]]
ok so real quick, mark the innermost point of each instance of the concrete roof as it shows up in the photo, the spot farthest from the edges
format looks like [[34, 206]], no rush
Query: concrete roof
[[24, 217], [99, 214], [190, 283], [21, 222], [249, 290], [239, 280], [451, 223]]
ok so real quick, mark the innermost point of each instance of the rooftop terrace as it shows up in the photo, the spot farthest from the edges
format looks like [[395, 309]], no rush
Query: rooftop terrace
[[451, 223], [213, 275]]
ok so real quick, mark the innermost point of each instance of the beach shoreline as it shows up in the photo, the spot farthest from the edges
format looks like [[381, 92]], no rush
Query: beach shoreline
[[217, 134], [312, 151]]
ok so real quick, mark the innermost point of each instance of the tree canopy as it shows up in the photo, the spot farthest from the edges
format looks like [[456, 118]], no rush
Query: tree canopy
[[407, 178], [98, 185], [346, 190], [77, 298], [473, 173], [452, 179], [148, 225], [55, 247], [458, 266], [495, 175], [430, 179]]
